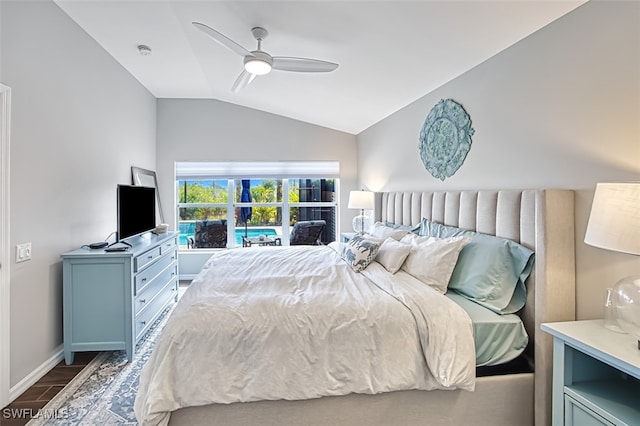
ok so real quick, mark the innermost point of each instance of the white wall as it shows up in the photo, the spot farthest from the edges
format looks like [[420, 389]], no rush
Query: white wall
[[560, 109], [210, 130], [79, 122]]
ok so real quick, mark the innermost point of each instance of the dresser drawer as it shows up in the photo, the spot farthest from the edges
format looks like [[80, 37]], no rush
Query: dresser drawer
[[150, 291], [168, 246], [146, 258], [145, 277], [155, 307]]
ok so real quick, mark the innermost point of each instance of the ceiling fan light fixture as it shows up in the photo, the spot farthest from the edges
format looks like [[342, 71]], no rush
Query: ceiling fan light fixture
[[257, 66]]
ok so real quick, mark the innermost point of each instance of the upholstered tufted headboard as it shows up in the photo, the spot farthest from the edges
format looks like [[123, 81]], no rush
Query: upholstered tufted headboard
[[542, 220]]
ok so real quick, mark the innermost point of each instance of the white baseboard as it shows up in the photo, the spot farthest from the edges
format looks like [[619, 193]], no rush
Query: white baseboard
[[191, 262], [36, 374], [187, 277]]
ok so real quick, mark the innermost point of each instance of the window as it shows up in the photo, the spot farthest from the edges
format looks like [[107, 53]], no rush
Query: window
[[255, 199]]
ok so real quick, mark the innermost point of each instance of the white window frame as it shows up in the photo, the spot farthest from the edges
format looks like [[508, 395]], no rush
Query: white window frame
[[282, 171]]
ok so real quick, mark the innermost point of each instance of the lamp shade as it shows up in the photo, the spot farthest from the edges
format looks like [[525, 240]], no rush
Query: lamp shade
[[614, 222], [362, 200]]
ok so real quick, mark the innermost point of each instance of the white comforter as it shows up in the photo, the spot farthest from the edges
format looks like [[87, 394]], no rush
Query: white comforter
[[299, 323]]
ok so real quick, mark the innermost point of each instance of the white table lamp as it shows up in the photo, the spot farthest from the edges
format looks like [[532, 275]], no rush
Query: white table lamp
[[362, 200], [614, 224]]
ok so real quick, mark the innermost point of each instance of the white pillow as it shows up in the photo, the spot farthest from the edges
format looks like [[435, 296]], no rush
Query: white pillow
[[380, 230], [432, 259], [392, 254]]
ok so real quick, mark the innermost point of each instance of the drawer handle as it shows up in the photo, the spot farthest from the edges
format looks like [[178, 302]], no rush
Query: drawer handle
[[150, 256], [143, 300], [173, 258], [173, 274], [143, 322], [144, 279]]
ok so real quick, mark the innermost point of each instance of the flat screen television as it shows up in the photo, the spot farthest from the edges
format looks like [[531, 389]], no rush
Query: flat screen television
[[136, 210]]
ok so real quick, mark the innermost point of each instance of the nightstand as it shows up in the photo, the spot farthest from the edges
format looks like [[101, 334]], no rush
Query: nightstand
[[596, 375]]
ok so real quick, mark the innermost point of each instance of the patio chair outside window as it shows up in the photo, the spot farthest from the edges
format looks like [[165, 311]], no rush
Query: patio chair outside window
[[307, 232], [209, 234]]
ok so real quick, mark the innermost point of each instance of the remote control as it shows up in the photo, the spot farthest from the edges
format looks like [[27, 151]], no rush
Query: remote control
[[110, 249]]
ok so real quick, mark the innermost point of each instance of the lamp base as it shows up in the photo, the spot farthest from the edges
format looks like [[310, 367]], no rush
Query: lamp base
[[361, 224], [626, 303], [610, 321]]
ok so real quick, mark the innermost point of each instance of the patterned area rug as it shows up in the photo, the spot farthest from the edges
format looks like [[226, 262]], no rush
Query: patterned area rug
[[104, 391]]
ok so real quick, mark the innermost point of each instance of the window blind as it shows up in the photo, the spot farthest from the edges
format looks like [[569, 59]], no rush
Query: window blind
[[256, 169]]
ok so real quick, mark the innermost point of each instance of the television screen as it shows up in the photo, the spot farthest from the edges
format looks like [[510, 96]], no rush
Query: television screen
[[136, 210]]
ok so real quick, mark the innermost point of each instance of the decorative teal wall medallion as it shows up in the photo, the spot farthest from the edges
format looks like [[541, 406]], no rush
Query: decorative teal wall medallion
[[445, 139]]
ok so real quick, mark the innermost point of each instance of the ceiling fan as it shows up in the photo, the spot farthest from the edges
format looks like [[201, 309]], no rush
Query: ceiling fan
[[259, 62]]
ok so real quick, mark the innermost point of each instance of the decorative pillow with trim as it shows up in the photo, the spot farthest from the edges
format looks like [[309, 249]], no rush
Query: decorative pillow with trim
[[359, 252]]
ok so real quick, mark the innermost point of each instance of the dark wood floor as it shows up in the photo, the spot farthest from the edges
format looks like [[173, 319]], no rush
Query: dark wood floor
[[26, 406], [20, 411]]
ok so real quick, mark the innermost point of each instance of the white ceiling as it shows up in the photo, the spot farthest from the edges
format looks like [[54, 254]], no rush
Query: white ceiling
[[390, 52]]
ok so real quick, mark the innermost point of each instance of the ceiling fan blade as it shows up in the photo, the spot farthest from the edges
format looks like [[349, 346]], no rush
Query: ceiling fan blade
[[302, 65], [222, 39], [243, 80]]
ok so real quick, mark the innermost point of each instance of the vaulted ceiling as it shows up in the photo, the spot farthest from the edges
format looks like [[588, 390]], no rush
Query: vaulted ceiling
[[390, 53]]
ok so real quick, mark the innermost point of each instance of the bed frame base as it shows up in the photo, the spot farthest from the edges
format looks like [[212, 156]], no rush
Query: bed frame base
[[506, 400]]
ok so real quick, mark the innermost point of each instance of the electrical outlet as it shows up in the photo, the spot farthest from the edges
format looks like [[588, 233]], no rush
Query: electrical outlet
[[23, 252]]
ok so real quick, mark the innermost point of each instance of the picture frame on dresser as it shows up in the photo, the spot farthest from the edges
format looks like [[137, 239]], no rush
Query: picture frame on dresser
[[144, 177]]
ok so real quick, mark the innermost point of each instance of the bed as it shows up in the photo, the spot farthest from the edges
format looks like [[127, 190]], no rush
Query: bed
[[541, 220]]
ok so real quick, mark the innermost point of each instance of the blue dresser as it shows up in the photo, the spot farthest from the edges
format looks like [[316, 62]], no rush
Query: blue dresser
[[111, 299]]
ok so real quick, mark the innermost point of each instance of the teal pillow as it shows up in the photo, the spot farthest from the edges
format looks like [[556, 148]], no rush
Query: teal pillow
[[490, 270]]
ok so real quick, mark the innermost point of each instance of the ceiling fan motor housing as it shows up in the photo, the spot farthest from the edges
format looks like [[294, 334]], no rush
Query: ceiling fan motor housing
[[259, 33]]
